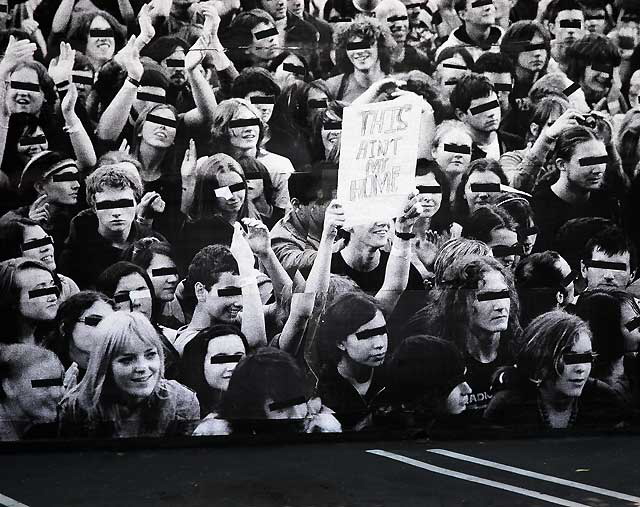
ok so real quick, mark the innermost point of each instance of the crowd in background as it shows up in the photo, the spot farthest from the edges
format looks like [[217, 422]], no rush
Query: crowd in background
[[174, 261]]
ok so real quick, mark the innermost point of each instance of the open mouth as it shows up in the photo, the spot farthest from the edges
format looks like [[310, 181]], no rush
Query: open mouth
[[142, 380], [23, 101]]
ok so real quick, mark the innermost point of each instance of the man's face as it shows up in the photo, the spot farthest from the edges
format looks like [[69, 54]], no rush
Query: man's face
[[569, 26], [222, 306], [533, 60], [503, 83], [478, 12], [607, 271], [585, 170], [115, 209], [276, 8], [482, 119], [149, 96], [296, 6], [597, 81], [264, 46], [594, 20], [174, 64], [363, 58]]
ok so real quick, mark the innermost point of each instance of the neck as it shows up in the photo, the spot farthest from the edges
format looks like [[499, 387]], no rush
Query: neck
[[27, 330], [480, 136], [569, 193], [242, 152], [524, 75], [150, 157], [118, 238], [554, 400], [478, 33], [367, 78], [483, 346], [361, 257], [281, 24], [229, 216], [96, 63], [201, 318], [353, 371]]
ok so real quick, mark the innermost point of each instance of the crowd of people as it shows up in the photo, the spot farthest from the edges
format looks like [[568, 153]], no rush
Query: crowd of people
[[174, 260]]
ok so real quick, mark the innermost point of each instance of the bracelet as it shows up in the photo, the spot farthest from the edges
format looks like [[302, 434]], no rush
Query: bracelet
[[405, 235], [134, 82]]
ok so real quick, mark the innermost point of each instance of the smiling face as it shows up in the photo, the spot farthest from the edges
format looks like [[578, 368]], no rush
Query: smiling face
[[133, 282], [573, 377], [31, 144], [136, 369], [491, 316], [477, 199], [62, 192], [25, 101], [372, 235], [368, 351], [39, 308], [330, 138], [244, 138], [218, 374], [453, 164], [584, 178], [44, 253], [535, 60], [156, 135], [596, 84], [224, 308], [233, 204], [164, 285], [100, 48], [430, 202], [363, 59]]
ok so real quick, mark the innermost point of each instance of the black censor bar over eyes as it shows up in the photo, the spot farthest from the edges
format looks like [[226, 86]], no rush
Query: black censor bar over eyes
[[534, 47], [338, 19], [121, 298], [504, 251], [485, 187], [391, 19], [354, 46], [566, 281], [463, 149], [429, 189], [80, 79], [253, 176], [481, 3], [151, 97], [454, 66], [451, 82], [119, 203], [294, 69], [47, 291], [59, 178], [484, 107], [616, 266], [279, 405], [571, 89], [271, 99], [593, 160], [263, 34], [332, 125], [589, 17], [230, 291], [46, 382], [503, 87], [167, 122], [528, 231], [30, 141], [573, 358], [93, 320], [369, 333], [571, 23], [164, 271], [174, 62], [226, 358], [107, 32], [493, 295], [36, 243], [317, 103], [602, 67], [21, 85], [633, 324], [252, 122], [234, 188]]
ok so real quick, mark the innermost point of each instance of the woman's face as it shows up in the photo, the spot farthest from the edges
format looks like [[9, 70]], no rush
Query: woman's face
[[431, 201], [84, 335], [37, 244], [264, 47], [533, 61], [138, 297], [449, 71], [263, 103], [100, 45], [316, 104], [631, 336], [363, 58], [289, 71], [575, 370], [368, 345], [504, 238], [38, 404], [492, 305], [38, 295], [330, 138], [231, 203], [453, 152], [565, 269], [458, 398], [157, 135], [20, 100], [477, 198], [29, 145], [136, 369], [223, 355], [244, 138], [370, 235], [164, 276], [62, 187]]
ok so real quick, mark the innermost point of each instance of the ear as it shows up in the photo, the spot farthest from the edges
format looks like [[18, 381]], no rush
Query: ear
[[583, 270], [560, 298], [39, 187], [295, 202], [201, 292], [462, 14], [561, 164], [461, 115], [341, 346]]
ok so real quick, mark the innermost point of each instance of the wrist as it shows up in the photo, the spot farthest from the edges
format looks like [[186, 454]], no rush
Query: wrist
[[404, 234], [133, 80]]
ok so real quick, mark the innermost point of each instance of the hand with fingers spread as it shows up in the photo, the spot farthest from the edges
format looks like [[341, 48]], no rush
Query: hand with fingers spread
[[412, 210], [429, 245], [29, 25], [17, 51], [150, 204], [257, 236], [189, 162], [39, 210], [60, 69], [334, 219], [129, 58]]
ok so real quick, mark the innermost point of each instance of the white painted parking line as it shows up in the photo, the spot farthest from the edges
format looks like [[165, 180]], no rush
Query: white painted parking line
[[478, 480], [536, 475], [5, 501]]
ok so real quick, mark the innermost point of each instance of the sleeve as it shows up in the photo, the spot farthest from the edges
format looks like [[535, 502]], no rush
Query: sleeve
[[526, 173], [187, 414], [291, 255]]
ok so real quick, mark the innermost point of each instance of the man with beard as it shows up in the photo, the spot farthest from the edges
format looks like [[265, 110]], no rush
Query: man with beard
[[593, 62]]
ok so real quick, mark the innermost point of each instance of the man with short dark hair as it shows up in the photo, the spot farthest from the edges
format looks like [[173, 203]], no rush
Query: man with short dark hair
[[499, 70], [607, 261]]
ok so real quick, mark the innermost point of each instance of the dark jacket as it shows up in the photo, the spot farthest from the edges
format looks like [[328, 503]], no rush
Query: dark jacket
[[86, 254], [508, 142], [195, 235]]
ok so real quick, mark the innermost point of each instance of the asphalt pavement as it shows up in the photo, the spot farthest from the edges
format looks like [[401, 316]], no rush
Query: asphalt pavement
[[586, 471]]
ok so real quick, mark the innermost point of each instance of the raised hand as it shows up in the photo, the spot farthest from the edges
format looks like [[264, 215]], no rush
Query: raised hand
[[39, 210], [241, 250], [129, 58], [334, 218], [196, 54], [211, 18], [257, 236], [147, 32], [17, 51], [60, 69], [189, 162], [69, 102], [150, 203], [410, 214]]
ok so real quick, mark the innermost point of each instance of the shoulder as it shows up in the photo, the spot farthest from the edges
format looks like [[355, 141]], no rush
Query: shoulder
[[185, 398], [211, 425]]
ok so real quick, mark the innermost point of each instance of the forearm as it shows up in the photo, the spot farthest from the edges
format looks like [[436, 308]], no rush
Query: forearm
[[204, 99], [188, 188], [252, 314], [114, 119], [299, 315], [278, 275], [62, 16], [396, 275], [126, 11], [4, 120], [292, 256], [81, 143], [320, 274]]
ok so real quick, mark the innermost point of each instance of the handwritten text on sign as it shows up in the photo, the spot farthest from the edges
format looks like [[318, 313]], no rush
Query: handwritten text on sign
[[378, 157]]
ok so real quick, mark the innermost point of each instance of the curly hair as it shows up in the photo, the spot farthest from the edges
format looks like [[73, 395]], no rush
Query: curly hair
[[369, 30], [591, 49], [111, 176], [206, 267]]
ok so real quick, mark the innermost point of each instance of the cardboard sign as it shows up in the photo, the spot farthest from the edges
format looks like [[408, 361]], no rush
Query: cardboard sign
[[378, 151]]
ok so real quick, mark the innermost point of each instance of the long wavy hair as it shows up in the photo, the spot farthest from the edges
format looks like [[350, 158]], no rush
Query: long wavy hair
[[369, 30], [220, 131]]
